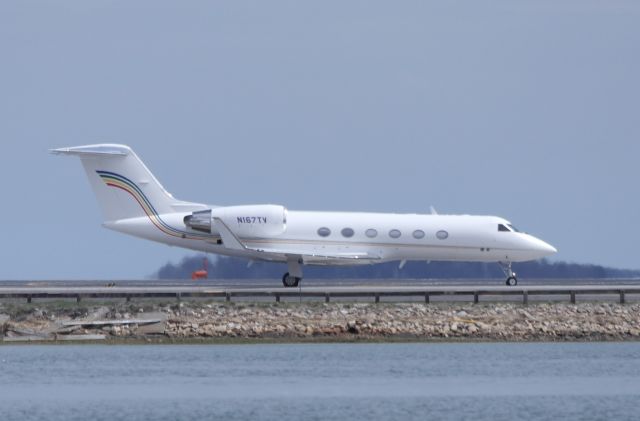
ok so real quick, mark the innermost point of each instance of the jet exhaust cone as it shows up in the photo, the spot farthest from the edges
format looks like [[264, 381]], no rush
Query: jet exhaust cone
[[199, 221]]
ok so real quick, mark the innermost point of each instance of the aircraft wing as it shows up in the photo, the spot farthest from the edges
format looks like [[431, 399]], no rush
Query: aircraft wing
[[230, 240], [323, 256]]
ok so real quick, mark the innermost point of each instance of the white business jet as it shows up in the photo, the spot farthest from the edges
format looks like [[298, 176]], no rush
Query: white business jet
[[134, 202]]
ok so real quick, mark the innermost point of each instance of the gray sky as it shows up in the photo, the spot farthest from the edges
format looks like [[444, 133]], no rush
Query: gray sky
[[523, 109]]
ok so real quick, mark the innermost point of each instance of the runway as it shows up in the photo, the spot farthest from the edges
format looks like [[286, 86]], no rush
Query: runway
[[316, 283], [349, 290]]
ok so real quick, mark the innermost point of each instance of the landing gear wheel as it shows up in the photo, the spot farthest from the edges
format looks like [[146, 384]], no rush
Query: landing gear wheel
[[290, 281], [511, 275]]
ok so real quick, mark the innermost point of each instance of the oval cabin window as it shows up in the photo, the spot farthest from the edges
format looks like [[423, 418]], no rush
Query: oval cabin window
[[395, 234], [347, 232], [442, 234], [371, 233], [418, 234], [324, 232]]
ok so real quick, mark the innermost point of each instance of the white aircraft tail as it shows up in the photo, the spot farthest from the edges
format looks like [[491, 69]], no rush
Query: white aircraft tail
[[123, 185]]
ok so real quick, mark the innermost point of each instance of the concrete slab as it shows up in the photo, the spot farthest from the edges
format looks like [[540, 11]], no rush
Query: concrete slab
[[152, 328]]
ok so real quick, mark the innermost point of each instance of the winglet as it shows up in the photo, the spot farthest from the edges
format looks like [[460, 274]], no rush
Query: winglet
[[229, 239]]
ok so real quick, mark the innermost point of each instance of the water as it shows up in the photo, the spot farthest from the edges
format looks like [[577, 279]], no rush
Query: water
[[319, 382]]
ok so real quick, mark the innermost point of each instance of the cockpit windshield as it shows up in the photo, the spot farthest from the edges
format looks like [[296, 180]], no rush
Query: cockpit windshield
[[507, 228]]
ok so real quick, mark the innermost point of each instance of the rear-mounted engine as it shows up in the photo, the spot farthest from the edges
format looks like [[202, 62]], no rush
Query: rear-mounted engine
[[245, 221], [199, 221]]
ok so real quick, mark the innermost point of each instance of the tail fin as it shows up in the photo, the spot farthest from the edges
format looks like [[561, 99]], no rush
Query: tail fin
[[117, 177]]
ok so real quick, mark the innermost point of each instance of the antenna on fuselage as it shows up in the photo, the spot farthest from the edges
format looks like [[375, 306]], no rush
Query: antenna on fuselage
[[433, 210]]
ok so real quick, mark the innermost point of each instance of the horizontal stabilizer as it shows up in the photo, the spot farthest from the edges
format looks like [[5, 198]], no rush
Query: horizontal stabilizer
[[100, 150]]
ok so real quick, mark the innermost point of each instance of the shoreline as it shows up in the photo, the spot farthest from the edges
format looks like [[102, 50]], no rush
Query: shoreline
[[292, 340], [196, 322]]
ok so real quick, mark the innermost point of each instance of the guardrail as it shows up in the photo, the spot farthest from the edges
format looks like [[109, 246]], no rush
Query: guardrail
[[376, 294]]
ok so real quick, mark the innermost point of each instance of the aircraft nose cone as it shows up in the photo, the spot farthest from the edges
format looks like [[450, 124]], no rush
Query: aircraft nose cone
[[544, 248], [549, 249]]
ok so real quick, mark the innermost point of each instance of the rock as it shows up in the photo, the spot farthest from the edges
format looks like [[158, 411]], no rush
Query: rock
[[352, 327], [503, 322], [99, 313]]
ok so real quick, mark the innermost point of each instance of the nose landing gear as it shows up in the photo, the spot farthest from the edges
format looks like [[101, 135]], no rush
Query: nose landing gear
[[511, 275]]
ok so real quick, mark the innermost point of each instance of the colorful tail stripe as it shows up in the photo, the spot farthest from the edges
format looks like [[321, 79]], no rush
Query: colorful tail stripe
[[123, 183]]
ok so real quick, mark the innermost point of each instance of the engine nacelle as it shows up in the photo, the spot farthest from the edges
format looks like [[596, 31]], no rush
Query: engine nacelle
[[244, 221]]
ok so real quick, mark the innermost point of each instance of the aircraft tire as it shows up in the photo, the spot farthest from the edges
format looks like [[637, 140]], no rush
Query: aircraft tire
[[512, 281], [290, 281]]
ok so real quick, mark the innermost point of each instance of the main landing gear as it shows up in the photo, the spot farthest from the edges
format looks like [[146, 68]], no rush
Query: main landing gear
[[290, 281], [292, 278], [511, 275]]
